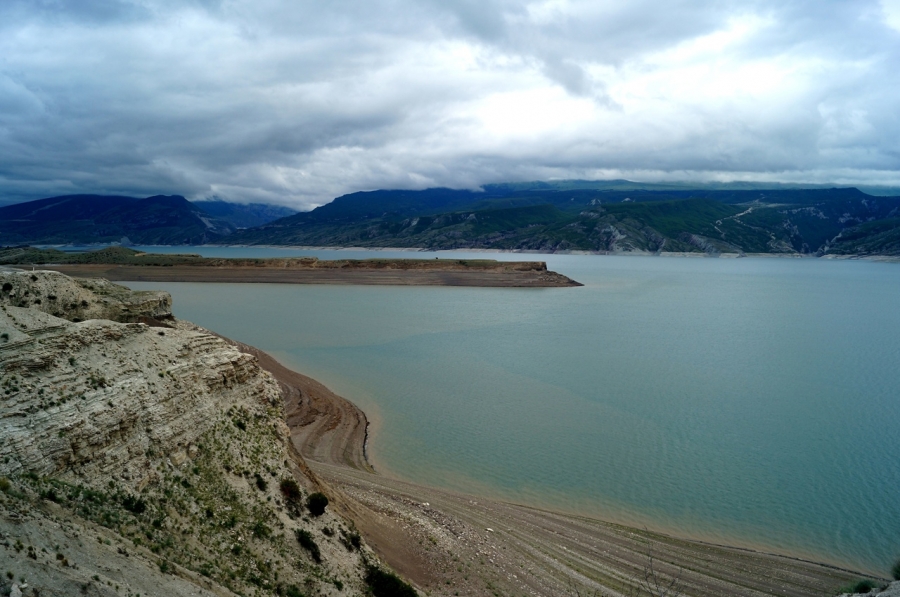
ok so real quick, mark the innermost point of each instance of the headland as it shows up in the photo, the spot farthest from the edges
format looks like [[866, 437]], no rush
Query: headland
[[122, 264]]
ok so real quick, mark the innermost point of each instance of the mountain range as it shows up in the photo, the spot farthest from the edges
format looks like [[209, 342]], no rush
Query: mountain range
[[551, 219], [607, 217], [157, 220]]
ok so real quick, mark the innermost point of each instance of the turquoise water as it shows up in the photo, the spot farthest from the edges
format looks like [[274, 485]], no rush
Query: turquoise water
[[751, 401]]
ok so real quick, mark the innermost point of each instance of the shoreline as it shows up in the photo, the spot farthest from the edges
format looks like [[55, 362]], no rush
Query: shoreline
[[854, 257], [398, 517], [489, 278], [668, 254]]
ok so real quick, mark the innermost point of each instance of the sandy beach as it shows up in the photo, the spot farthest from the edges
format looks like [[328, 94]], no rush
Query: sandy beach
[[449, 543]]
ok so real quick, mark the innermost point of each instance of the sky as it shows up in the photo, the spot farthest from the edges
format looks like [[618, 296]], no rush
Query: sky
[[294, 102]]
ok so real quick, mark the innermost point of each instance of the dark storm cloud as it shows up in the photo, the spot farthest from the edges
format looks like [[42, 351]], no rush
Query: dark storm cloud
[[296, 102]]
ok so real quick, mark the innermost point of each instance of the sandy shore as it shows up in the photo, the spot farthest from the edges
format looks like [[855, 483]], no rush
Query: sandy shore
[[392, 277], [449, 543]]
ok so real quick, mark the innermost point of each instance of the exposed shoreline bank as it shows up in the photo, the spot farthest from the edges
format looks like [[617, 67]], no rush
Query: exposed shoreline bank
[[879, 258], [122, 264], [423, 532], [385, 277], [841, 257]]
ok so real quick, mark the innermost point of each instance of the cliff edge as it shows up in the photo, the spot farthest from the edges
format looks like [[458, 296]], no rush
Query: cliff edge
[[150, 459]]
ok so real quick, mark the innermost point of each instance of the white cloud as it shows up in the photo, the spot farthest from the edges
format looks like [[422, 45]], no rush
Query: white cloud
[[297, 102], [891, 13]]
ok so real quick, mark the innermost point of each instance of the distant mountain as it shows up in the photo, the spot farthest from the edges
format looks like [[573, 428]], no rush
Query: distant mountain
[[546, 217], [879, 237], [86, 219], [241, 215], [624, 185], [526, 217]]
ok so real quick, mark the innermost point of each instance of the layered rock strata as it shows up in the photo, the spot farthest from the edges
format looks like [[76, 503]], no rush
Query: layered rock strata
[[135, 456]]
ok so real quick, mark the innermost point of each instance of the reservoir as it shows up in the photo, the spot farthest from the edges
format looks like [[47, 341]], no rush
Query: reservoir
[[752, 402]]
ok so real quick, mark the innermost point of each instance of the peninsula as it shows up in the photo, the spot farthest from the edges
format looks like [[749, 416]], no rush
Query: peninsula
[[123, 264]]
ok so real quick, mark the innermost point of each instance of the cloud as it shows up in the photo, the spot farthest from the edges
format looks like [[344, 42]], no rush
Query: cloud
[[298, 102]]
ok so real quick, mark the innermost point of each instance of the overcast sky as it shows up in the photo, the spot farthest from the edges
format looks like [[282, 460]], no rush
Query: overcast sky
[[297, 102]]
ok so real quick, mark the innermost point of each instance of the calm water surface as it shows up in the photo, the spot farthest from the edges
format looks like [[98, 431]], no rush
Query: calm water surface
[[750, 401]]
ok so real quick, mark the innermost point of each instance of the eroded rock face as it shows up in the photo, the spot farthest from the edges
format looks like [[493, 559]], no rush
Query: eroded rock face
[[80, 299], [92, 399], [163, 450]]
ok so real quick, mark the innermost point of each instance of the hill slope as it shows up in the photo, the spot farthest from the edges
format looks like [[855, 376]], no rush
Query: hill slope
[[151, 460], [84, 219], [543, 217], [702, 221], [244, 215]]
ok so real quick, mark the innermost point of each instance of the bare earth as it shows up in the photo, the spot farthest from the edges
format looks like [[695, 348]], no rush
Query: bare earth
[[499, 277], [454, 544]]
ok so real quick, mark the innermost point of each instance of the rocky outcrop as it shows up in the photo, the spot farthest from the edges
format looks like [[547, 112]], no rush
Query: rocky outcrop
[[93, 399], [152, 460], [78, 299]]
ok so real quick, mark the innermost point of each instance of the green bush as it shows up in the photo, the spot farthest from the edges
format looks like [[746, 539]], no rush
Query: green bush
[[316, 503], [860, 587], [260, 482], [134, 505], [308, 543], [260, 530], [387, 584], [290, 490], [351, 540], [895, 570]]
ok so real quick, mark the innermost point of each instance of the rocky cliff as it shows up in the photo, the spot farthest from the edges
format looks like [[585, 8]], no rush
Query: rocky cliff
[[79, 299], [142, 459]]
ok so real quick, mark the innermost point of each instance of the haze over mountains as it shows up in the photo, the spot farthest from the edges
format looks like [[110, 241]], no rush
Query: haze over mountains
[[612, 217]]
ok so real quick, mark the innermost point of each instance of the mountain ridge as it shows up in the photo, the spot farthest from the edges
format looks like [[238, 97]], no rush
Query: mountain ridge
[[590, 216], [794, 221]]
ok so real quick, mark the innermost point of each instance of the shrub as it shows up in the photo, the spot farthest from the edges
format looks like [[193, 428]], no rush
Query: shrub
[[861, 587], [4, 484], [260, 482], [387, 584], [290, 490], [293, 591], [134, 505], [351, 540], [895, 570], [308, 543], [316, 503], [260, 530]]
